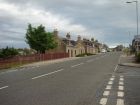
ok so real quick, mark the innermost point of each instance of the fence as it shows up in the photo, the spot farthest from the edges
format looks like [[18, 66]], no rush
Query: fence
[[19, 60]]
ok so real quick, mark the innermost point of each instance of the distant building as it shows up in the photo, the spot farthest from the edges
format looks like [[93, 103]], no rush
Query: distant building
[[74, 47], [136, 43]]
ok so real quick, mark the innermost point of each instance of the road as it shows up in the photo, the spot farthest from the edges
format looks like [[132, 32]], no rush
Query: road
[[92, 80]]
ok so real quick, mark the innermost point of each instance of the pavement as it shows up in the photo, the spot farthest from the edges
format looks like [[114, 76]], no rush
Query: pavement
[[129, 61], [37, 64], [92, 80]]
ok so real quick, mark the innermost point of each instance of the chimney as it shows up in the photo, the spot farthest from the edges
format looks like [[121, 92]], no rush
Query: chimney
[[55, 32], [79, 38], [68, 36]]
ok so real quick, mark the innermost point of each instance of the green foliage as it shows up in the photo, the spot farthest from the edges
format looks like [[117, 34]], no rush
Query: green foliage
[[40, 40], [138, 57], [8, 52]]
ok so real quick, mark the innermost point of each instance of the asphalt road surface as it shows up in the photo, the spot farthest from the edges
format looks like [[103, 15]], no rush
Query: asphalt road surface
[[94, 80]]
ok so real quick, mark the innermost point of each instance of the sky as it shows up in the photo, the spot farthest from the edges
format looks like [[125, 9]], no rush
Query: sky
[[111, 22]]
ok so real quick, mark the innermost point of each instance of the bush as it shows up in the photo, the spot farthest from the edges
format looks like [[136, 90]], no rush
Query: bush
[[138, 57], [80, 55], [8, 52]]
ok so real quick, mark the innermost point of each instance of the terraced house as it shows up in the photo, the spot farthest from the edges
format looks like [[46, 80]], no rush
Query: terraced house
[[80, 46]]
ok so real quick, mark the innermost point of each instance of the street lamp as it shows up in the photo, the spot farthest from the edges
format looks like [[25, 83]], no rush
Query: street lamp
[[136, 15]]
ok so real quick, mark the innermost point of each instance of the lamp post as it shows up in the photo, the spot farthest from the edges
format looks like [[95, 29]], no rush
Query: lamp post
[[137, 18]]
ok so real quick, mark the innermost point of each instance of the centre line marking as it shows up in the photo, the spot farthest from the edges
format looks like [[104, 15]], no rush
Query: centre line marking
[[3, 87], [121, 87], [112, 79], [77, 65], [121, 83], [121, 79], [120, 102], [120, 94], [110, 82], [47, 74], [106, 93], [108, 87], [103, 101]]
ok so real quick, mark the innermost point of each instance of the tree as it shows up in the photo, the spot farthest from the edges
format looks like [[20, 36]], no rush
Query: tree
[[8, 52], [40, 40]]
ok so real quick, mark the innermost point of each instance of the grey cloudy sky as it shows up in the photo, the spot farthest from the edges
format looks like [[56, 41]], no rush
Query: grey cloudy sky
[[109, 21]]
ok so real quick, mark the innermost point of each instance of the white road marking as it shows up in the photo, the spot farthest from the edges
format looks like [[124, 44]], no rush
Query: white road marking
[[121, 83], [33, 67], [120, 102], [110, 82], [121, 79], [113, 76], [103, 101], [121, 87], [77, 65], [47, 74], [120, 94], [108, 87], [11, 71], [112, 79], [121, 76], [116, 68], [3, 87], [106, 93], [22, 69]]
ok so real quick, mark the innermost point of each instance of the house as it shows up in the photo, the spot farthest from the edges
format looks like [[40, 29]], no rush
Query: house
[[73, 47]]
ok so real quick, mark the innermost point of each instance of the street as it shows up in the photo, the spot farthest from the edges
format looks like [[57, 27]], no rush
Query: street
[[91, 80]]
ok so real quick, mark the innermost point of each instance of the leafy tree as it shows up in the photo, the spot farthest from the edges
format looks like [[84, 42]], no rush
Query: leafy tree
[[8, 52], [39, 39]]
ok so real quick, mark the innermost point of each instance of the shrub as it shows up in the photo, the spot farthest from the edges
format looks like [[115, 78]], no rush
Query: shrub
[[138, 57], [8, 52], [80, 55]]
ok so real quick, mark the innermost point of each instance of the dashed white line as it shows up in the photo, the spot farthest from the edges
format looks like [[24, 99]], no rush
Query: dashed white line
[[110, 82], [47, 74], [121, 87], [121, 79], [108, 87], [112, 79], [121, 83], [120, 94], [106, 93], [3, 87], [103, 101], [33, 67], [120, 102], [77, 65]]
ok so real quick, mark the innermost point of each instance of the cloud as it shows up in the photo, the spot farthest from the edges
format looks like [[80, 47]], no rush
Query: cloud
[[108, 21]]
